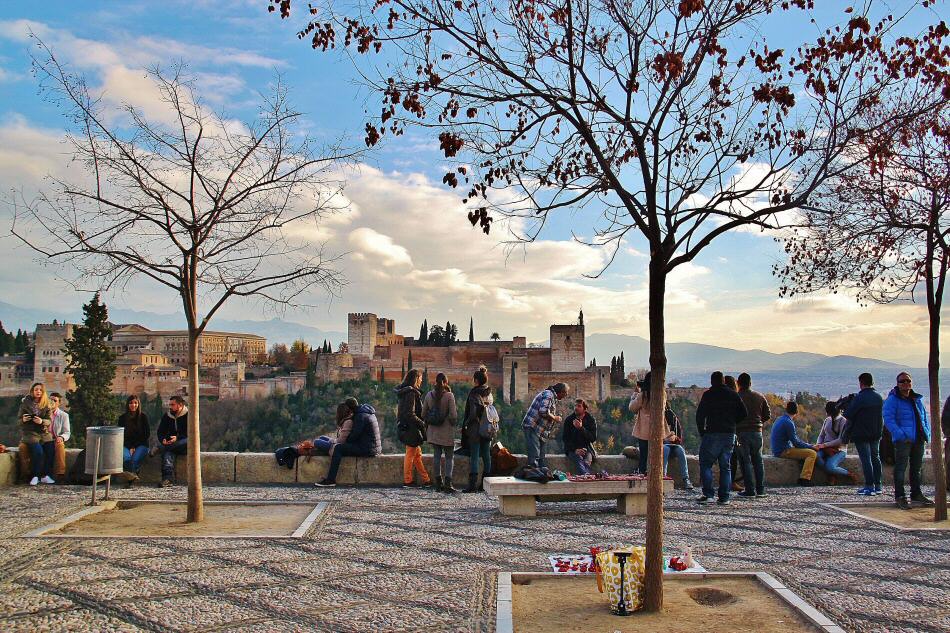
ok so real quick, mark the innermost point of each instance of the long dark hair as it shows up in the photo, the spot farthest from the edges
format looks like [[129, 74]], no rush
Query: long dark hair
[[410, 380], [645, 387], [138, 412], [441, 384], [480, 376]]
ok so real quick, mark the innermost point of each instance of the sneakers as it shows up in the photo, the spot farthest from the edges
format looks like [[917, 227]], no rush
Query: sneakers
[[866, 492], [724, 501], [688, 485], [923, 501], [326, 483], [877, 491], [902, 503], [761, 493], [747, 494], [166, 483], [410, 484], [34, 481], [704, 500], [47, 480]]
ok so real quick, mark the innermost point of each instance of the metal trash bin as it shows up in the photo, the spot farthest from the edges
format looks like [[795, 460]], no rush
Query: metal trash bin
[[110, 443], [103, 455]]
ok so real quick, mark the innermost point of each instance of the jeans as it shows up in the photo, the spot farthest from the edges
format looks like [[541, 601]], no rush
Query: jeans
[[581, 467], [535, 448], [437, 453], [905, 452], [833, 464], [716, 448], [132, 460], [676, 450], [339, 452], [750, 457], [870, 454], [481, 449], [180, 447], [41, 458], [644, 446]]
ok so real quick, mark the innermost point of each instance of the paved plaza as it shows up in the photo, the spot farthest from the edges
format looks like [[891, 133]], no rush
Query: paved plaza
[[383, 559]]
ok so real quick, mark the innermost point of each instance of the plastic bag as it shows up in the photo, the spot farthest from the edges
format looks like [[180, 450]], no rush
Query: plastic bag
[[608, 580]]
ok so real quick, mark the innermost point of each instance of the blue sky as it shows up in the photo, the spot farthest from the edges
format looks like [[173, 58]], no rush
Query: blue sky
[[410, 254]]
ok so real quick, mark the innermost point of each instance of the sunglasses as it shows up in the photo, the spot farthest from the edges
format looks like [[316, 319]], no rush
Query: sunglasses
[[905, 381]]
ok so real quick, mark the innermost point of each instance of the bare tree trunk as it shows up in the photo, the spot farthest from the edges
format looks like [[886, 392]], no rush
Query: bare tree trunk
[[196, 510], [653, 590], [934, 301]]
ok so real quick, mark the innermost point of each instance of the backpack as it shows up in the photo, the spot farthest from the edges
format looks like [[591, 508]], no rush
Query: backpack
[[488, 422], [434, 414], [77, 474], [540, 475], [503, 463], [286, 456]]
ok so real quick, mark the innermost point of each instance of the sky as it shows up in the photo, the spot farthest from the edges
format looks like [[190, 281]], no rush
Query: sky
[[407, 250]]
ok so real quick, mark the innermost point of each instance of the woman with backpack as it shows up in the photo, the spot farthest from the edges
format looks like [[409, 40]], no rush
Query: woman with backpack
[[440, 414], [479, 398], [411, 427]]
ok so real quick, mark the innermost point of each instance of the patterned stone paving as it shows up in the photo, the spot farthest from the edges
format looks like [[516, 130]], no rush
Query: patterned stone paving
[[402, 560]]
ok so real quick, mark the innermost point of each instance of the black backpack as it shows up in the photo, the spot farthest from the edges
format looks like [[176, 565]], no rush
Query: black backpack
[[286, 456]]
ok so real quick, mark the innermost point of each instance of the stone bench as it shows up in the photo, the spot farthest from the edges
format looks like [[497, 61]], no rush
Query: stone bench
[[517, 497]]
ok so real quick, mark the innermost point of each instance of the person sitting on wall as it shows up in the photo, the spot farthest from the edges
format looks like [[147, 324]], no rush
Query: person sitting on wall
[[673, 447], [787, 445], [35, 421], [173, 436], [135, 438], [834, 446], [578, 437], [363, 439], [61, 432]]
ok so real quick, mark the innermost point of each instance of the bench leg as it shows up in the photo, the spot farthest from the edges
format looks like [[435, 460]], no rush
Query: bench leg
[[517, 506], [632, 505]]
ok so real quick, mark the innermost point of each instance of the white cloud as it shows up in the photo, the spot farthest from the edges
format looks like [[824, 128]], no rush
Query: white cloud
[[377, 248]]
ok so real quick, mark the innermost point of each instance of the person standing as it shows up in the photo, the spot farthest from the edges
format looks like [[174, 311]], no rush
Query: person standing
[[578, 437], [749, 432], [717, 414], [440, 415], [61, 433], [478, 399], [945, 427], [540, 420], [411, 428], [35, 415], [831, 439], [640, 406], [786, 444], [361, 440], [906, 418], [865, 427], [173, 436], [135, 439]]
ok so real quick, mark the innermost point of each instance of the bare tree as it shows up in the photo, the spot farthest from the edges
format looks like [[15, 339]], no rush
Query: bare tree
[[673, 119], [208, 207], [883, 230]]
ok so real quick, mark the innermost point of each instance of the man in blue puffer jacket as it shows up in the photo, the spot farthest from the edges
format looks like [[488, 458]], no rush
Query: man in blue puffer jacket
[[906, 419]]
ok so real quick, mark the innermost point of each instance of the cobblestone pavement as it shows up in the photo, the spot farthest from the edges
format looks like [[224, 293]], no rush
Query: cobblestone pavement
[[399, 560]]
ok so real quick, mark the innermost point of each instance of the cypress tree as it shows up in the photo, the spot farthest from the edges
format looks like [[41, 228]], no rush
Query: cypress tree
[[471, 329], [622, 369], [409, 361], [402, 370], [511, 384], [4, 346], [448, 334], [425, 379], [91, 364], [422, 332], [613, 370], [425, 333]]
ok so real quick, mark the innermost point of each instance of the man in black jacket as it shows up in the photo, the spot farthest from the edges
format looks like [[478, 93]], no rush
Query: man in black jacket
[[173, 436], [717, 414], [363, 440], [578, 437], [865, 429]]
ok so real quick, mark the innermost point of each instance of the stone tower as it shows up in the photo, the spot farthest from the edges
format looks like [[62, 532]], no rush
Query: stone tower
[[362, 332], [567, 348]]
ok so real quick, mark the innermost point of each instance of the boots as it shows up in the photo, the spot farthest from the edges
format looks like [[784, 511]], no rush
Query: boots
[[448, 487], [438, 484], [481, 485], [472, 483]]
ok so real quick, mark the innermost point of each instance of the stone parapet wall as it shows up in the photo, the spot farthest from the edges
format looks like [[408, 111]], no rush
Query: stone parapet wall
[[386, 470]]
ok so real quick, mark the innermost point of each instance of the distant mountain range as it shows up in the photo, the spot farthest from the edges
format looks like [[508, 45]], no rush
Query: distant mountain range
[[697, 357], [682, 357], [274, 330]]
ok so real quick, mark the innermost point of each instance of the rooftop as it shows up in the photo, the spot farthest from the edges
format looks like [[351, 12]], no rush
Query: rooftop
[[393, 559]]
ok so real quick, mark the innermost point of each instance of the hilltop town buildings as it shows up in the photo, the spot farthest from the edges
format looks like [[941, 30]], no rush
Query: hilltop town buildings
[[373, 346]]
